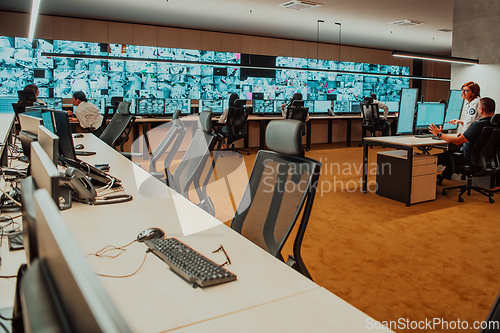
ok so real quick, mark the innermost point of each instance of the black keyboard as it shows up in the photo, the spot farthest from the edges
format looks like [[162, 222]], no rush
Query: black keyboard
[[192, 266], [427, 135]]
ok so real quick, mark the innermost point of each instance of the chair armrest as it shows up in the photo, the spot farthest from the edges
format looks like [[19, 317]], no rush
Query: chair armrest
[[157, 175], [130, 154]]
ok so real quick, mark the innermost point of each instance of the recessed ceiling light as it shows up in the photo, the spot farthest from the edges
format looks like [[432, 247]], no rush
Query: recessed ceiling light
[[406, 23], [300, 5]]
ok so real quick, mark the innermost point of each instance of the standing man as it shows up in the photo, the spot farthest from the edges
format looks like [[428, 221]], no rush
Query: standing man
[[87, 113], [386, 127]]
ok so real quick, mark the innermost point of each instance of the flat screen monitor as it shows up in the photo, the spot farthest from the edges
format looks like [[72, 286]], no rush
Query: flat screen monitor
[[150, 106], [29, 132], [355, 107], [172, 105], [211, 105], [53, 103], [321, 106], [258, 95], [87, 306], [429, 113], [263, 106], [58, 123], [453, 109], [392, 105], [407, 110], [49, 142], [30, 122]]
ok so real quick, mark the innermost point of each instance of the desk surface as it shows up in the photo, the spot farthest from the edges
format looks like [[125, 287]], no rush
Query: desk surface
[[155, 299], [405, 140]]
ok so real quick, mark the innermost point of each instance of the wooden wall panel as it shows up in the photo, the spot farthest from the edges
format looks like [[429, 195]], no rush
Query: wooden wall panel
[[14, 24], [45, 27], [145, 35], [284, 47], [300, 49], [211, 41], [68, 28], [267, 46], [169, 37], [329, 52], [249, 44], [190, 39], [120, 33], [230, 43], [95, 31]]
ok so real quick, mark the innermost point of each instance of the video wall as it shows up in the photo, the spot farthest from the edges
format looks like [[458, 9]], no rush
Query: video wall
[[22, 63]]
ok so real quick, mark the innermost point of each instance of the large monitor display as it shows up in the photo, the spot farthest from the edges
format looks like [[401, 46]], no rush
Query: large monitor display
[[429, 113], [453, 109], [407, 110]]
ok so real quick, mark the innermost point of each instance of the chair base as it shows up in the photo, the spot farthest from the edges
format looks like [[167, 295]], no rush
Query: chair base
[[468, 188]]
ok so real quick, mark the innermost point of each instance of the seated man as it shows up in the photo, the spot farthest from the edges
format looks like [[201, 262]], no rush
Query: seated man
[[386, 127], [468, 139], [87, 113]]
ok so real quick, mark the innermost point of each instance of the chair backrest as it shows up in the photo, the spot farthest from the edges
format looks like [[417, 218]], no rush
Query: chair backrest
[[493, 318], [124, 108], [172, 140], [282, 184], [297, 112], [176, 114], [484, 154], [191, 167], [20, 108], [370, 114], [236, 121], [117, 126]]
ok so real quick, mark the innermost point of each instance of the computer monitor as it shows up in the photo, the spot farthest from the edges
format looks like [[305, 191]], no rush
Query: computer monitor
[[453, 109], [392, 105], [322, 106], [28, 188], [65, 278], [58, 123], [49, 142], [150, 107], [429, 113], [54, 103], [29, 132], [211, 105], [355, 107], [407, 110], [172, 105], [46, 175], [263, 106], [257, 95]]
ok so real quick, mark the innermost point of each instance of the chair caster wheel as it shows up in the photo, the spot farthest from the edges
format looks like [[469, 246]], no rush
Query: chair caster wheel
[[460, 199], [444, 192], [492, 200]]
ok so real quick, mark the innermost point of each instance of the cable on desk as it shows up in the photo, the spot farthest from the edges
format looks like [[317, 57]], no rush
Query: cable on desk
[[8, 276], [4, 318], [129, 275], [107, 248], [4, 328]]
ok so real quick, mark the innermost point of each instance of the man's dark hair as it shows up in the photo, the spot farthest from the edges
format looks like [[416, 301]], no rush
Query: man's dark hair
[[80, 95], [374, 96], [488, 104], [31, 87]]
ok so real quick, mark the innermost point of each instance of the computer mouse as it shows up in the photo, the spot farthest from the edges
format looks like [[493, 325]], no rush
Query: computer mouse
[[79, 146], [78, 136], [150, 234]]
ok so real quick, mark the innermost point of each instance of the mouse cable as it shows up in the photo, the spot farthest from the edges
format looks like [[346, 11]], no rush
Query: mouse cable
[[13, 200], [107, 248], [4, 328], [129, 275], [5, 318]]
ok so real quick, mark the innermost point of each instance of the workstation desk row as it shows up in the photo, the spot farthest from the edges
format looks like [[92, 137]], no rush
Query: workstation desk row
[[268, 295]]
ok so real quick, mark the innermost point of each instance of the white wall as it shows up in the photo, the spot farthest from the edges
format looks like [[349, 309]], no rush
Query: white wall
[[487, 76]]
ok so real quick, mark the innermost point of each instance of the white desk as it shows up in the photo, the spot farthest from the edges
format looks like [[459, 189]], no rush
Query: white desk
[[155, 299], [6, 123], [406, 142]]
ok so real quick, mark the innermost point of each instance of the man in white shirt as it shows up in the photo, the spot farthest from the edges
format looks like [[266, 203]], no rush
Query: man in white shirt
[[383, 120], [87, 113]]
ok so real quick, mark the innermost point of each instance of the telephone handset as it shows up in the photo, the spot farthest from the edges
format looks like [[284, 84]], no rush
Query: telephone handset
[[80, 186]]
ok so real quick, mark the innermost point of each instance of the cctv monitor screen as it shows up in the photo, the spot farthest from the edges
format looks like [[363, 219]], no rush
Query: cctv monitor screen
[[453, 109], [407, 110], [211, 105], [321, 106], [429, 113], [262, 106], [54, 103], [150, 106], [172, 105], [393, 106], [355, 108]]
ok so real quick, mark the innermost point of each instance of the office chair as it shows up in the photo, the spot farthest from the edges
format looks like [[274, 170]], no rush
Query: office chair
[[236, 127], [191, 167], [282, 185], [115, 102], [298, 112], [172, 140], [371, 118], [493, 318], [118, 129], [484, 161]]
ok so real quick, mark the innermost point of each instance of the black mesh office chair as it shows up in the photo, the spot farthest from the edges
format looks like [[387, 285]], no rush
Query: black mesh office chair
[[115, 101], [371, 118], [236, 126], [172, 140], [282, 185], [484, 161], [118, 129], [493, 318], [298, 112], [190, 169]]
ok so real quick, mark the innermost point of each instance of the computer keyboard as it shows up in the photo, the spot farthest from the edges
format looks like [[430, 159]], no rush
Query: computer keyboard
[[192, 266], [427, 135]]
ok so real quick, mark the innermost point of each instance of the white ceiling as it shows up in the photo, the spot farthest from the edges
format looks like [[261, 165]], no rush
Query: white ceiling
[[363, 22]]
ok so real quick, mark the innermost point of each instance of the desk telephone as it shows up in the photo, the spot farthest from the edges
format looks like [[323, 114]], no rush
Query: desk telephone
[[82, 189]]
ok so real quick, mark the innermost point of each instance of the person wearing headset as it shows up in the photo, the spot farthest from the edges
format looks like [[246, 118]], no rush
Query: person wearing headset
[[87, 113]]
